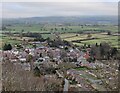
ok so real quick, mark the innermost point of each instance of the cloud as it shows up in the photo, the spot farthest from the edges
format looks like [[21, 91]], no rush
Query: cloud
[[61, 1], [13, 10]]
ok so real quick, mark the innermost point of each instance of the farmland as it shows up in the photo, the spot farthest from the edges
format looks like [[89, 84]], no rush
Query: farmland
[[57, 28], [68, 33], [112, 40]]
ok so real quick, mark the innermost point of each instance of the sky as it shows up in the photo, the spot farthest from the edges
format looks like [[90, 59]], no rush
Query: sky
[[61, 8]]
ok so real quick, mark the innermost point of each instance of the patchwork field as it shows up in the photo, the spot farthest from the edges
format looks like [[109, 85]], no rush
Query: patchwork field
[[67, 33], [112, 40]]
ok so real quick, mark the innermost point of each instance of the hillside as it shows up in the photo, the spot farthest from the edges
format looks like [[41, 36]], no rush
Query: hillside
[[80, 20]]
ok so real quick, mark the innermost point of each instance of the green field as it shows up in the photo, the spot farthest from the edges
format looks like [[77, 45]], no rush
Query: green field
[[9, 40], [68, 35], [47, 28], [112, 40]]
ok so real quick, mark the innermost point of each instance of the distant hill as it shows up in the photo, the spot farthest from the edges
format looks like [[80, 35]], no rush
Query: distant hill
[[80, 20]]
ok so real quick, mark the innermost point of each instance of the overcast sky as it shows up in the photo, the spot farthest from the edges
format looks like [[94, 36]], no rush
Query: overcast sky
[[32, 9]]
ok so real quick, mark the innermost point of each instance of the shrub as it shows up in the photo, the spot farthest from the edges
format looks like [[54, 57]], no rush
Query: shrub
[[36, 71]]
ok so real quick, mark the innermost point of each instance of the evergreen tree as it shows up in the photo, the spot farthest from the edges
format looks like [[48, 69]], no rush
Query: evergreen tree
[[89, 46], [96, 44], [114, 51], [109, 33], [7, 47], [102, 51], [62, 28]]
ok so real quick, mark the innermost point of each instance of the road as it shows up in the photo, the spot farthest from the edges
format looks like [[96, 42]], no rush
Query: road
[[66, 85]]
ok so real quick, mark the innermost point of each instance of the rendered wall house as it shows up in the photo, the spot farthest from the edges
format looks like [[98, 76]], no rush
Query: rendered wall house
[[56, 59], [36, 53], [22, 60], [81, 59], [75, 53], [14, 60], [27, 50], [47, 59], [12, 56], [53, 53], [32, 51], [56, 53], [15, 52], [7, 54], [23, 54], [61, 47]]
